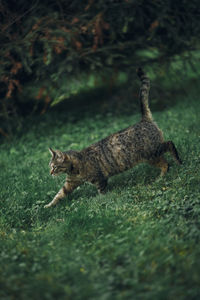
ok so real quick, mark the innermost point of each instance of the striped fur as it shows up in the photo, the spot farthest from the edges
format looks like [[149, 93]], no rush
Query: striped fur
[[142, 142], [144, 95]]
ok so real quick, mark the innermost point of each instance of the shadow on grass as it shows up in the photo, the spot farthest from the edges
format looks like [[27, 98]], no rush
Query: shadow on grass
[[122, 100], [118, 101]]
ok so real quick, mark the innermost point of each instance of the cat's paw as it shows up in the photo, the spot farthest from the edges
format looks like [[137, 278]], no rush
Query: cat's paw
[[48, 205]]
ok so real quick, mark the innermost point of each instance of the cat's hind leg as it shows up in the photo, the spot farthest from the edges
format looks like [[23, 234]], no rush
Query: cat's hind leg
[[169, 147], [160, 162]]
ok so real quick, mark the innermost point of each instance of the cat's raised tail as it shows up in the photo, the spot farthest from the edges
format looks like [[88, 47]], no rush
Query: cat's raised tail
[[144, 95]]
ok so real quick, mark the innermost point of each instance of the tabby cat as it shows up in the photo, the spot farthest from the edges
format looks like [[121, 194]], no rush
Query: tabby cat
[[116, 153]]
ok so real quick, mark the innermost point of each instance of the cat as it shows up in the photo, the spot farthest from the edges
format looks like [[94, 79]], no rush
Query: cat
[[142, 142]]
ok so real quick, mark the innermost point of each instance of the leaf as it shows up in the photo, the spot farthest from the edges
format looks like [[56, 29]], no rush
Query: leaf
[[154, 25]]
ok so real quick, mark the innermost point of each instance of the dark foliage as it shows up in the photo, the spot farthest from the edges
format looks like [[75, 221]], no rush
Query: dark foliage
[[43, 42]]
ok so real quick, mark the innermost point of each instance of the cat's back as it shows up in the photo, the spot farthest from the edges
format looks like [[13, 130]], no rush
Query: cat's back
[[122, 150], [138, 140], [137, 137]]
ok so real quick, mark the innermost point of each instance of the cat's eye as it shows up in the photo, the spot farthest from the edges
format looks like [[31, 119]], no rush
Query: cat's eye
[[54, 168]]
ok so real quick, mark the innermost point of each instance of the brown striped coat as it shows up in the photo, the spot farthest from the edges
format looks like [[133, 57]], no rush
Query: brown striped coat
[[142, 142]]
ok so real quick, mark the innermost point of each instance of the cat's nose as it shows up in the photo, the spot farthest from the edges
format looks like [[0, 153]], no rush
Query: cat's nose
[[51, 172]]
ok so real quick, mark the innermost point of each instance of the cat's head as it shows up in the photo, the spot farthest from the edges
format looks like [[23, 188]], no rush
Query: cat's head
[[60, 162]]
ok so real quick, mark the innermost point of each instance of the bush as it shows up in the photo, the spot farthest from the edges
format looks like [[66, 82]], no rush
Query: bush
[[49, 42]]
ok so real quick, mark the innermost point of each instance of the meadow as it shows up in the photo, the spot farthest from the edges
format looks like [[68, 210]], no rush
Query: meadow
[[138, 241]]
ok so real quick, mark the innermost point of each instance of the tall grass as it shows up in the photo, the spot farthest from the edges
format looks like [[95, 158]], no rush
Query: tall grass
[[138, 241]]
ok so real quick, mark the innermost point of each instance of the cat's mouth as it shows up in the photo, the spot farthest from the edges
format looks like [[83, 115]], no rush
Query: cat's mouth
[[53, 173]]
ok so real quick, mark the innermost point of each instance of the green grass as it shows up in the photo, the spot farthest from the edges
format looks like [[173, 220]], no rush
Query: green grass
[[139, 241]]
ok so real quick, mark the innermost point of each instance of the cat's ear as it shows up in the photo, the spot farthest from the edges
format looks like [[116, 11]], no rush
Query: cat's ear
[[53, 153], [61, 155]]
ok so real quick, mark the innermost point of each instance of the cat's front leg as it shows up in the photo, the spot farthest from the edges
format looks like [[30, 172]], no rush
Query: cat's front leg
[[60, 195], [63, 192]]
